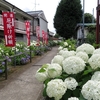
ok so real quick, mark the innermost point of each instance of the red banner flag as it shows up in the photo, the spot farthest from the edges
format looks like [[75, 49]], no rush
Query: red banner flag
[[43, 36], [46, 38], [9, 28], [27, 23]]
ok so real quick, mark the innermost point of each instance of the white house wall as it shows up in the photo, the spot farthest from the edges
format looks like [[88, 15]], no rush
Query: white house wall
[[80, 34], [35, 24], [43, 26]]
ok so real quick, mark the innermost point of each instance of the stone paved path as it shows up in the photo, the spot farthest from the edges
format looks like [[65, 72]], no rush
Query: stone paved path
[[22, 85]]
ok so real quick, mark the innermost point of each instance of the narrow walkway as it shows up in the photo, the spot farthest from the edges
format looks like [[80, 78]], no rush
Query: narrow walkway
[[22, 85]]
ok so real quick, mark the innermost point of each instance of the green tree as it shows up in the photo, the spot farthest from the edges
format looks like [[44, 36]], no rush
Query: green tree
[[91, 36], [68, 14], [89, 18]]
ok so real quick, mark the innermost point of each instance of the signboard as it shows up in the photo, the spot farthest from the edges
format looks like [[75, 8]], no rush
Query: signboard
[[27, 23], [9, 28]]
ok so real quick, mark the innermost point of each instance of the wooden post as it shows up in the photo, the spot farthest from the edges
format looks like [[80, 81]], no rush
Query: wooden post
[[6, 70], [97, 22]]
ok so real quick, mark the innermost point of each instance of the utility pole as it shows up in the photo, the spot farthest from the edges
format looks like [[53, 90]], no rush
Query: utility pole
[[98, 23], [83, 22], [35, 5], [93, 16]]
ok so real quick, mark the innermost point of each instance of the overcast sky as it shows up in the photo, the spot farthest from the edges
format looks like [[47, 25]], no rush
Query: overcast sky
[[49, 7]]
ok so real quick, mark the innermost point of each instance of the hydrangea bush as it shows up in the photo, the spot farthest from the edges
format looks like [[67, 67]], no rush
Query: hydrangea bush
[[76, 78], [21, 54]]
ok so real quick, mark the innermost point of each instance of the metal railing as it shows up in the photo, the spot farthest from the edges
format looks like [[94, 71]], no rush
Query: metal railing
[[5, 69], [13, 57]]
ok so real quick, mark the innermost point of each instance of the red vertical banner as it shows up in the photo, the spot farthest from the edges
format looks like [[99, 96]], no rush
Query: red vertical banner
[[38, 34], [46, 38], [43, 36], [9, 28], [27, 23]]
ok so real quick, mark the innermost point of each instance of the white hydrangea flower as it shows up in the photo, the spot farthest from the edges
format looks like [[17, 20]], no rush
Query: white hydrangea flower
[[56, 88], [65, 44], [17, 44], [94, 61], [60, 52], [55, 41], [83, 55], [54, 70], [17, 49], [70, 46], [87, 90], [33, 43], [67, 54], [7, 54], [89, 49], [41, 74], [60, 48], [71, 83], [73, 98], [57, 59], [96, 51], [91, 90], [65, 49], [73, 65], [13, 48], [96, 76], [27, 49]]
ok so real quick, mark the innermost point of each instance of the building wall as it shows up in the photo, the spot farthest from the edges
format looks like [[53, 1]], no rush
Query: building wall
[[24, 38], [43, 26], [80, 34]]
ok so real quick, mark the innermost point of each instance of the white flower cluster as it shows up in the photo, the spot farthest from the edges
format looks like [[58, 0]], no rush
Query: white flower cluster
[[73, 65], [91, 90], [14, 48], [65, 49], [17, 44], [89, 49], [60, 52], [57, 59], [71, 83], [96, 76], [96, 51], [55, 41], [65, 44], [60, 48], [54, 70], [83, 55], [73, 98], [67, 54], [56, 88], [48, 71], [2, 51], [33, 43], [94, 61], [41, 74]]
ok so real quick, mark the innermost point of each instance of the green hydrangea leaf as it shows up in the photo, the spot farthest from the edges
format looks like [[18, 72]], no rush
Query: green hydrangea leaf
[[42, 70]]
